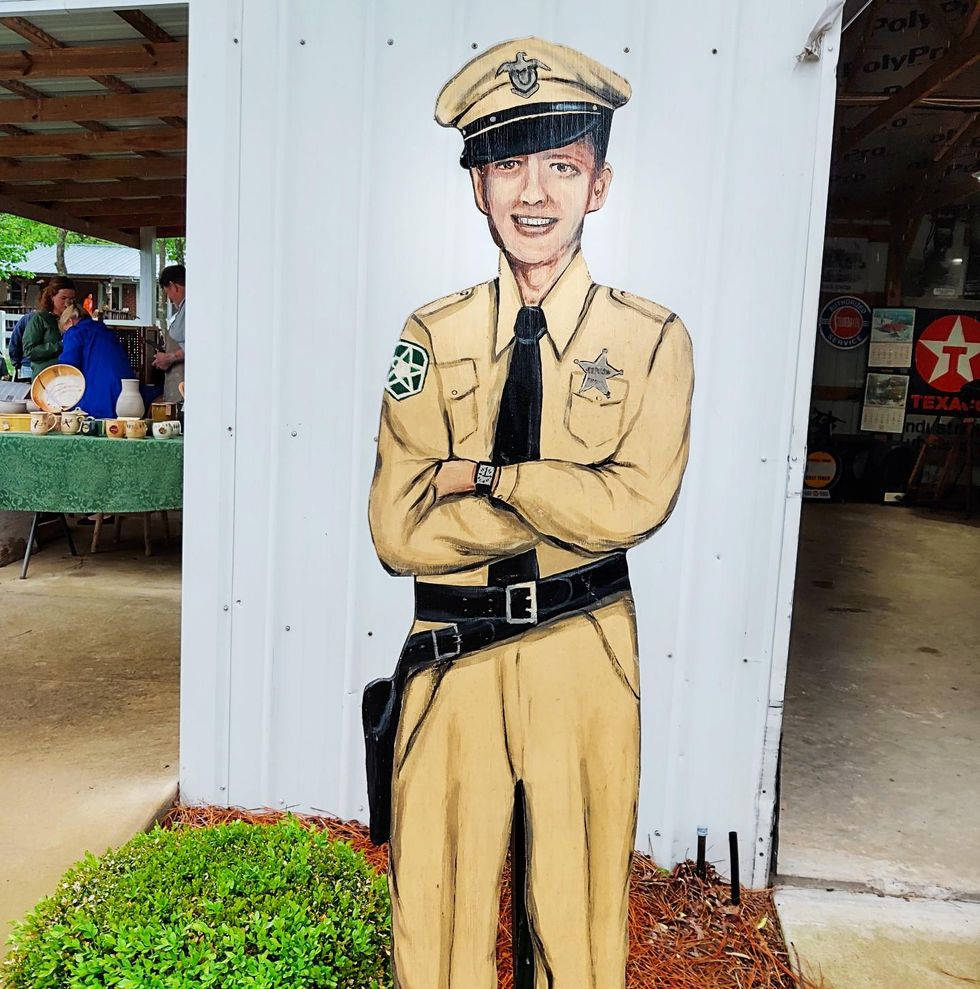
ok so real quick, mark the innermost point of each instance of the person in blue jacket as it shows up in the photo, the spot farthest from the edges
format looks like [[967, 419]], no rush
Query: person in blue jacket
[[96, 351]]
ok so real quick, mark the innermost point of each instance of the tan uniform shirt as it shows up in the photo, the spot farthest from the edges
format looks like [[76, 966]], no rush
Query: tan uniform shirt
[[610, 467]]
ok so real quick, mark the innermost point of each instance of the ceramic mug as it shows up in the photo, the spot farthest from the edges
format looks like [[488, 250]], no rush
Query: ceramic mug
[[44, 422], [71, 422], [115, 429], [135, 429], [92, 427], [166, 430]]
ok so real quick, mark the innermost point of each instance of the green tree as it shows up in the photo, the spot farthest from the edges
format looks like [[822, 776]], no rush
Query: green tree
[[18, 237]]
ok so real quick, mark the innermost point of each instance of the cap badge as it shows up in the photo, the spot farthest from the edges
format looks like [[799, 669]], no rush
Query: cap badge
[[596, 372], [523, 74]]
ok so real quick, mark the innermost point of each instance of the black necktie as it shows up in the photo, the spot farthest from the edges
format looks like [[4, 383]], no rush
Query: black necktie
[[518, 436], [517, 440]]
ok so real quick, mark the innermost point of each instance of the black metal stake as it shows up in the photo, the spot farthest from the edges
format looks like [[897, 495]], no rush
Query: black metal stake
[[702, 842], [733, 851]]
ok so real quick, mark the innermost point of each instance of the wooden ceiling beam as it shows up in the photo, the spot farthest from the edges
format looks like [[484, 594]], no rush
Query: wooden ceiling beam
[[62, 63], [101, 106], [175, 231], [82, 142], [148, 28], [130, 207], [972, 20], [31, 211], [964, 134], [95, 168], [119, 189], [957, 59], [134, 222]]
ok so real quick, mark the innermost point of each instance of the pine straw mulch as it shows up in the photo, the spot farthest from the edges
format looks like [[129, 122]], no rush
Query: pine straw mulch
[[684, 931]]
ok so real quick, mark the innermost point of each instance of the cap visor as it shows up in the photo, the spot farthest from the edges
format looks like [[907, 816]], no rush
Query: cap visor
[[526, 135]]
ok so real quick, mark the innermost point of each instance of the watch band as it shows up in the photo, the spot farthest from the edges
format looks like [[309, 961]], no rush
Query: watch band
[[486, 474]]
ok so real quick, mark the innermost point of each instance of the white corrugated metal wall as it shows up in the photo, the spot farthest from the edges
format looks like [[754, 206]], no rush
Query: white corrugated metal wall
[[324, 206]]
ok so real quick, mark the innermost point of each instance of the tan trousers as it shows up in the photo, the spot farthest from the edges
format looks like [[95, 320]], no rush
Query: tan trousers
[[557, 708]]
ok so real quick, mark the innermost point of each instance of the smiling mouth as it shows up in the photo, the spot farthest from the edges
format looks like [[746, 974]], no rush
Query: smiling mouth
[[534, 222]]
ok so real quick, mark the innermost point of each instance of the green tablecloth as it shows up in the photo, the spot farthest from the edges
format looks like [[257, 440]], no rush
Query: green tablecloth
[[57, 473]]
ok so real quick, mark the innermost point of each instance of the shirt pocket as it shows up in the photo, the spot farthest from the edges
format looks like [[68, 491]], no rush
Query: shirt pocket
[[595, 419], [459, 383]]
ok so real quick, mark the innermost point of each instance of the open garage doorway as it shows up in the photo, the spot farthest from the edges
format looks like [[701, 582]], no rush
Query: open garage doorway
[[93, 136], [881, 738]]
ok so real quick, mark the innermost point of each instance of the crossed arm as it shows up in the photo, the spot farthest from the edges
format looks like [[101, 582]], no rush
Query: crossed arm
[[425, 519]]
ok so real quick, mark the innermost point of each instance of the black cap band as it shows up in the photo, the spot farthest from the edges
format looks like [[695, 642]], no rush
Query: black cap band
[[525, 130]]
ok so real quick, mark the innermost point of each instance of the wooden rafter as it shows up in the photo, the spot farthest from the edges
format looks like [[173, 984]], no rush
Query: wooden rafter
[[959, 58], [130, 221], [94, 107], [51, 192], [147, 27], [868, 28], [131, 207], [972, 20], [62, 63], [31, 211], [84, 142], [37, 36], [96, 168], [964, 134]]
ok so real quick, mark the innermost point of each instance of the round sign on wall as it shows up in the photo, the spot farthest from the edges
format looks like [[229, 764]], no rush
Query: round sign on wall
[[845, 322], [822, 470], [947, 354]]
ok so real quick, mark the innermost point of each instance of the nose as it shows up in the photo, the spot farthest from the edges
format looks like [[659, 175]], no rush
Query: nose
[[533, 194]]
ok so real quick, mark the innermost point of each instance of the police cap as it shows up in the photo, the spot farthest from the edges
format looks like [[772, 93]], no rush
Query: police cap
[[529, 95]]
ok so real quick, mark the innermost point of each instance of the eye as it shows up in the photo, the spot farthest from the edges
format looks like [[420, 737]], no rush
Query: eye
[[564, 168], [506, 166]]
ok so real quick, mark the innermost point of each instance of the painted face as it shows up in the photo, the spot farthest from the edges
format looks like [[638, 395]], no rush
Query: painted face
[[536, 204], [60, 299]]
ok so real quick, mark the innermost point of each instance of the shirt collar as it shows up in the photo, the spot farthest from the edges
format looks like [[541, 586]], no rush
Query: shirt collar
[[562, 305]]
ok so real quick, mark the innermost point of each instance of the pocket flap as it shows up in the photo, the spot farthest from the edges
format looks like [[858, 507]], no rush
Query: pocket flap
[[458, 377], [618, 389]]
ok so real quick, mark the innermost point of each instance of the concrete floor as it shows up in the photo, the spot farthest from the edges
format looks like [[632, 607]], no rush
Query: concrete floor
[[881, 732], [89, 662], [863, 941]]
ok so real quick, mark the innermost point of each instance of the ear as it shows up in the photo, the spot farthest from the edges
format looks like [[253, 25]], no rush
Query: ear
[[479, 195], [600, 188]]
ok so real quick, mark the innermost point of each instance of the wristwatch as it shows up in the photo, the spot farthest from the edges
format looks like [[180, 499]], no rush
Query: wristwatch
[[486, 474]]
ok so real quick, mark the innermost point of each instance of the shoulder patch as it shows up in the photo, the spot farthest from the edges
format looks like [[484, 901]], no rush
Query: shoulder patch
[[409, 366], [640, 304], [444, 303]]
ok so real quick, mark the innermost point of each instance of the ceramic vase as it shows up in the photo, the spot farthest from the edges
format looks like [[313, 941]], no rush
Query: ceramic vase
[[130, 403]]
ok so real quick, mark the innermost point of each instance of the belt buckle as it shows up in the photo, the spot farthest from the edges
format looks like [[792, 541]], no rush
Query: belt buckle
[[531, 617], [457, 642]]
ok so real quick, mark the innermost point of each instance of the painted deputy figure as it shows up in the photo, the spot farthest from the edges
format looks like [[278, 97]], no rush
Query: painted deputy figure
[[533, 429]]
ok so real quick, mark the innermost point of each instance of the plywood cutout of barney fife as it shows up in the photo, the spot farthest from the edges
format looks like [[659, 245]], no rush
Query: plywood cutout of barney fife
[[533, 429]]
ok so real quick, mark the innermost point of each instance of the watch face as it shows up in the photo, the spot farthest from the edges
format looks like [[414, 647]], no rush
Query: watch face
[[484, 474]]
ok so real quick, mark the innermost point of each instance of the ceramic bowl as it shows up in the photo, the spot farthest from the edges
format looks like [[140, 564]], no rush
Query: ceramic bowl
[[58, 388], [13, 408]]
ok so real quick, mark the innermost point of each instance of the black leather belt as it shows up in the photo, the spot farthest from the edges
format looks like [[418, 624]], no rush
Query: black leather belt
[[476, 617], [526, 603]]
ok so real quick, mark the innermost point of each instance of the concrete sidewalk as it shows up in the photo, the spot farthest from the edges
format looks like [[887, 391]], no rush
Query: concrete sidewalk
[[864, 941], [89, 662]]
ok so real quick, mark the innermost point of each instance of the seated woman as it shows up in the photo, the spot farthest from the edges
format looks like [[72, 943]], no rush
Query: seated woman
[[96, 351]]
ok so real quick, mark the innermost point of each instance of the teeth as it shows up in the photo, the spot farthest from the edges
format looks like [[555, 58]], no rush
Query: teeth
[[534, 221]]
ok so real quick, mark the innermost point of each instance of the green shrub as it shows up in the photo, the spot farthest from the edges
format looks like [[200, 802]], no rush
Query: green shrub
[[235, 905]]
